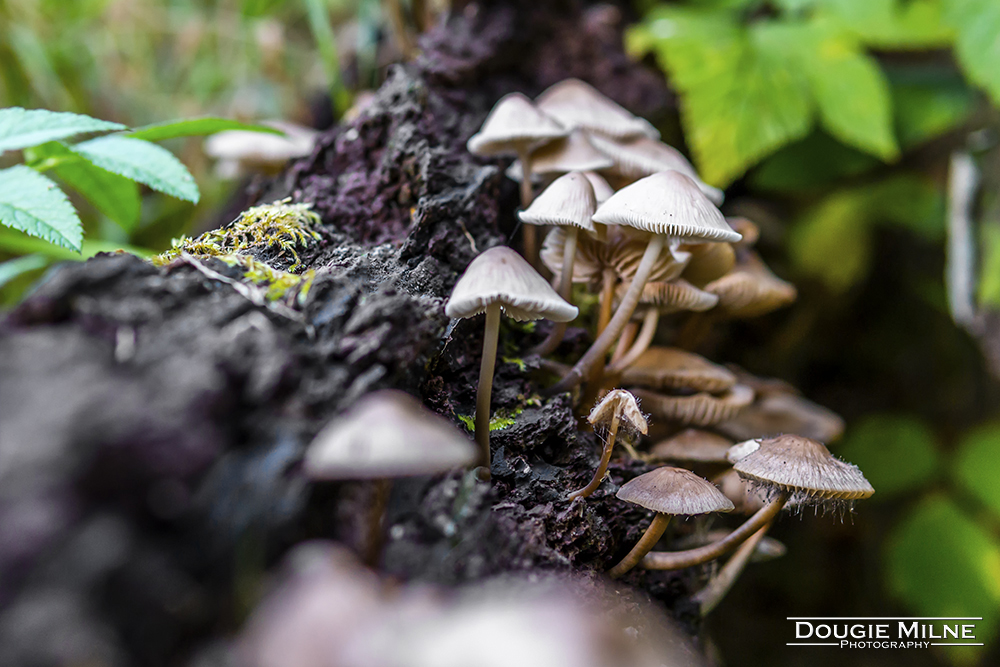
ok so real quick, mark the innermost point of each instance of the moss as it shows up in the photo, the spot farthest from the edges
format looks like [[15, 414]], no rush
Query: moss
[[515, 360], [262, 230], [501, 419]]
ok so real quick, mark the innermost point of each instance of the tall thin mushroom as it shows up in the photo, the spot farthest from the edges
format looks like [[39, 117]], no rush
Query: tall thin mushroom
[[515, 127], [616, 407], [569, 203], [500, 279], [666, 205]]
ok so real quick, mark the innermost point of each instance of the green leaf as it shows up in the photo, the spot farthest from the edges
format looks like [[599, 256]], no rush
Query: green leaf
[[891, 24], [977, 466], [115, 196], [926, 110], [739, 98], [809, 164], [141, 161], [941, 563], [977, 43], [989, 273], [18, 243], [21, 128], [896, 452], [14, 268], [35, 205], [832, 241], [195, 127]]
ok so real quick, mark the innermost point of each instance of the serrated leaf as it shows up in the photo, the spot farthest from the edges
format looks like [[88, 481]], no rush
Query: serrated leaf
[[977, 466], [115, 196], [939, 562], [141, 161], [195, 127], [35, 205], [977, 41], [896, 452], [21, 128], [14, 268]]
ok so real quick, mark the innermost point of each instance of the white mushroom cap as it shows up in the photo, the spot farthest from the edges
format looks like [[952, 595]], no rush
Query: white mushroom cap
[[643, 156], [577, 104], [621, 402], [513, 123], [569, 201], [387, 434], [574, 152], [668, 203], [243, 149], [674, 491], [501, 275], [602, 189]]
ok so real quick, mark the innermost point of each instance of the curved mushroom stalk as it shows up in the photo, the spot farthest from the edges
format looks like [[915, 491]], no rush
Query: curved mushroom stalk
[[602, 467], [616, 406], [642, 342], [529, 234], [484, 393], [711, 595], [642, 547]]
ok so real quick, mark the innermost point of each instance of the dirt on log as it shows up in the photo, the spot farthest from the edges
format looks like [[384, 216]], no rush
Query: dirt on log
[[153, 420]]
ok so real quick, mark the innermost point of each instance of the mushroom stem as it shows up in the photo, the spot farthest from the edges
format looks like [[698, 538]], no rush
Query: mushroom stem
[[529, 234], [642, 547], [555, 336], [676, 560], [641, 344], [624, 343], [381, 490], [598, 477], [485, 391], [617, 323], [713, 592], [608, 280]]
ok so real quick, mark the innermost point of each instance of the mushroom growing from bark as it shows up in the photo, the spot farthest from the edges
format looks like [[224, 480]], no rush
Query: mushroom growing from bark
[[701, 409], [384, 435], [568, 203], [500, 279], [668, 492], [516, 127], [574, 152], [788, 467], [576, 104], [666, 205], [616, 407]]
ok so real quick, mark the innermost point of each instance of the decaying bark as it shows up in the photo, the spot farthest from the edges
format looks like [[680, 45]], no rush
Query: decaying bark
[[152, 420]]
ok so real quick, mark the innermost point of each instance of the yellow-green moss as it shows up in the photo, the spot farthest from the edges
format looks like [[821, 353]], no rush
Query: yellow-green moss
[[259, 229], [501, 419]]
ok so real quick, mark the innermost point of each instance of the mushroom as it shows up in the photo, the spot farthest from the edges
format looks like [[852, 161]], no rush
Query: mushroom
[[616, 407], [750, 290], [746, 228], [639, 157], [569, 203], [576, 104], [384, 435], [602, 190], [709, 261], [573, 152], [671, 368], [666, 205], [515, 127], [241, 151], [786, 468], [668, 492], [499, 279], [701, 409], [693, 446], [782, 412]]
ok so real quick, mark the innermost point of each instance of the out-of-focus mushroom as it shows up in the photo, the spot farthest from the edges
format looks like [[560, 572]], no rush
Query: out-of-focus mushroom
[[568, 203], [499, 279], [665, 205], [775, 413], [616, 408], [669, 368], [738, 490], [668, 492], [602, 189], [576, 104], [750, 290], [747, 228], [701, 409], [709, 261], [242, 151], [573, 152], [692, 446]]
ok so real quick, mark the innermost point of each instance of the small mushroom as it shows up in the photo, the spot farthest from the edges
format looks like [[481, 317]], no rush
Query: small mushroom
[[671, 368], [738, 490], [576, 104], [693, 446], [616, 407], [568, 203], [384, 435], [786, 468], [750, 290], [709, 261], [602, 190], [782, 412], [499, 279], [573, 152], [666, 205], [242, 151], [701, 409], [515, 127], [668, 492], [746, 228]]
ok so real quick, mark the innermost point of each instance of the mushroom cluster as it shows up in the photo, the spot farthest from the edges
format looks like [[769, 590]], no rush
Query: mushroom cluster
[[630, 222]]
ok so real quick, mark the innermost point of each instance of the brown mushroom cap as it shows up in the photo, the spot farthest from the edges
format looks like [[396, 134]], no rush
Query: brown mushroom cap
[[739, 491], [674, 491], [667, 203], [673, 368], [576, 104], [569, 201], [671, 296], [777, 413], [693, 445], [747, 228], [618, 251], [750, 289], [643, 156], [501, 275], [804, 468], [513, 125], [386, 434], [624, 404], [709, 261], [701, 409]]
